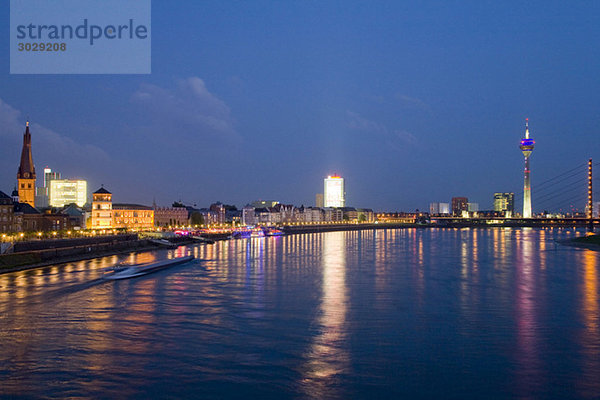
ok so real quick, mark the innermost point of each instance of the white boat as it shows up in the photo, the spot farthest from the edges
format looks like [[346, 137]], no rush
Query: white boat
[[164, 243], [145, 269]]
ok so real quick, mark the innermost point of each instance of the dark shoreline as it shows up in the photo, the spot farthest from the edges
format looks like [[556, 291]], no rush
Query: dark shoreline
[[81, 257]]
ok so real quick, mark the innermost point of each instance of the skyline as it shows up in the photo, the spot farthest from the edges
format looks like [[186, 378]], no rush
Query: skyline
[[399, 100]]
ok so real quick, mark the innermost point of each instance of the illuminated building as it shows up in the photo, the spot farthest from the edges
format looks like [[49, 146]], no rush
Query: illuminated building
[[504, 202], [264, 203], [365, 215], [170, 216], [439, 208], [49, 175], [248, 217], [64, 191], [334, 194], [219, 209], [526, 147], [43, 193], [313, 214], [102, 217], [333, 214], [26, 172], [472, 207], [459, 204], [397, 218], [133, 216]]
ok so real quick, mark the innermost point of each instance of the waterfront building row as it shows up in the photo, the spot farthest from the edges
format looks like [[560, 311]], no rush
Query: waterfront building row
[[289, 214]]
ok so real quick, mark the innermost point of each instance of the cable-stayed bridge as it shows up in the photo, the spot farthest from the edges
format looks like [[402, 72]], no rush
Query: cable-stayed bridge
[[565, 199]]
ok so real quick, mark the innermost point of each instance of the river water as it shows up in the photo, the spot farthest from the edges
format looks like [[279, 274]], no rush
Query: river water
[[407, 313]]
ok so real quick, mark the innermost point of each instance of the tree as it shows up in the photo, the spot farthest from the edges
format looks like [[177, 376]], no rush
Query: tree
[[197, 218]]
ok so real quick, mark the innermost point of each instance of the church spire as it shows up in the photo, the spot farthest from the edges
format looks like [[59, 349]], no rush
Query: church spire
[[26, 172], [26, 168]]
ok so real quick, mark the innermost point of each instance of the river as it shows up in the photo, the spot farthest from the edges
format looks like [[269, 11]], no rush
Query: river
[[404, 313]]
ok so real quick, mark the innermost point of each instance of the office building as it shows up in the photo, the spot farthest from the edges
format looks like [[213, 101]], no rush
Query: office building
[[42, 193], [504, 202], [49, 175], [65, 191], [459, 204], [472, 207], [334, 194], [439, 208]]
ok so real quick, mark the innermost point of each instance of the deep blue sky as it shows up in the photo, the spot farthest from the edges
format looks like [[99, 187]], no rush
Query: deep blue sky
[[412, 102]]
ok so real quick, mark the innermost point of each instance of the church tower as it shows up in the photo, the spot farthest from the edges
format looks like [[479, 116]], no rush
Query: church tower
[[26, 173]]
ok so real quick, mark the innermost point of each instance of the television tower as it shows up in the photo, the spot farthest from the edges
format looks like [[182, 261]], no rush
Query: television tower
[[526, 147]]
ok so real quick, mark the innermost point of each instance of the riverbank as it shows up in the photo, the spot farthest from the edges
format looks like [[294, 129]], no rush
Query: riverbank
[[34, 254], [41, 253], [29, 258], [591, 242]]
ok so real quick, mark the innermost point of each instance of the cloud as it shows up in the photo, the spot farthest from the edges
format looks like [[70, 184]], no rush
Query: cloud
[[71, 158], [358, 123], [188, 106], [413, 102]]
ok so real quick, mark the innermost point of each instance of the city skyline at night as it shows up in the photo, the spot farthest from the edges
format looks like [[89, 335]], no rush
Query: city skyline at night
[[389, 98]]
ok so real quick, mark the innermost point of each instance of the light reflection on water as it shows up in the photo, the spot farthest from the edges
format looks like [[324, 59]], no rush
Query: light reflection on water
[[328, 356], [448, 313]]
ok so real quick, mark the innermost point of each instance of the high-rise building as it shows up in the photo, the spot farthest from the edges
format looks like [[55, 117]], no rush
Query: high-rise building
[[66, 191], [526, 147], [42, 193], [504, 202], [473, 207], [48, 176], [26, 172], [439, 208], [459, 204], [102, 214], [334, 194]]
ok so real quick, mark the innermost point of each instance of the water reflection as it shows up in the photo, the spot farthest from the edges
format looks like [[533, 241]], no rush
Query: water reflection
[[530, 376], [327, 356], [589, 384]]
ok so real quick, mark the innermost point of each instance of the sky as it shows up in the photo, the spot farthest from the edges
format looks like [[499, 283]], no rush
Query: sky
[[411, 102]]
